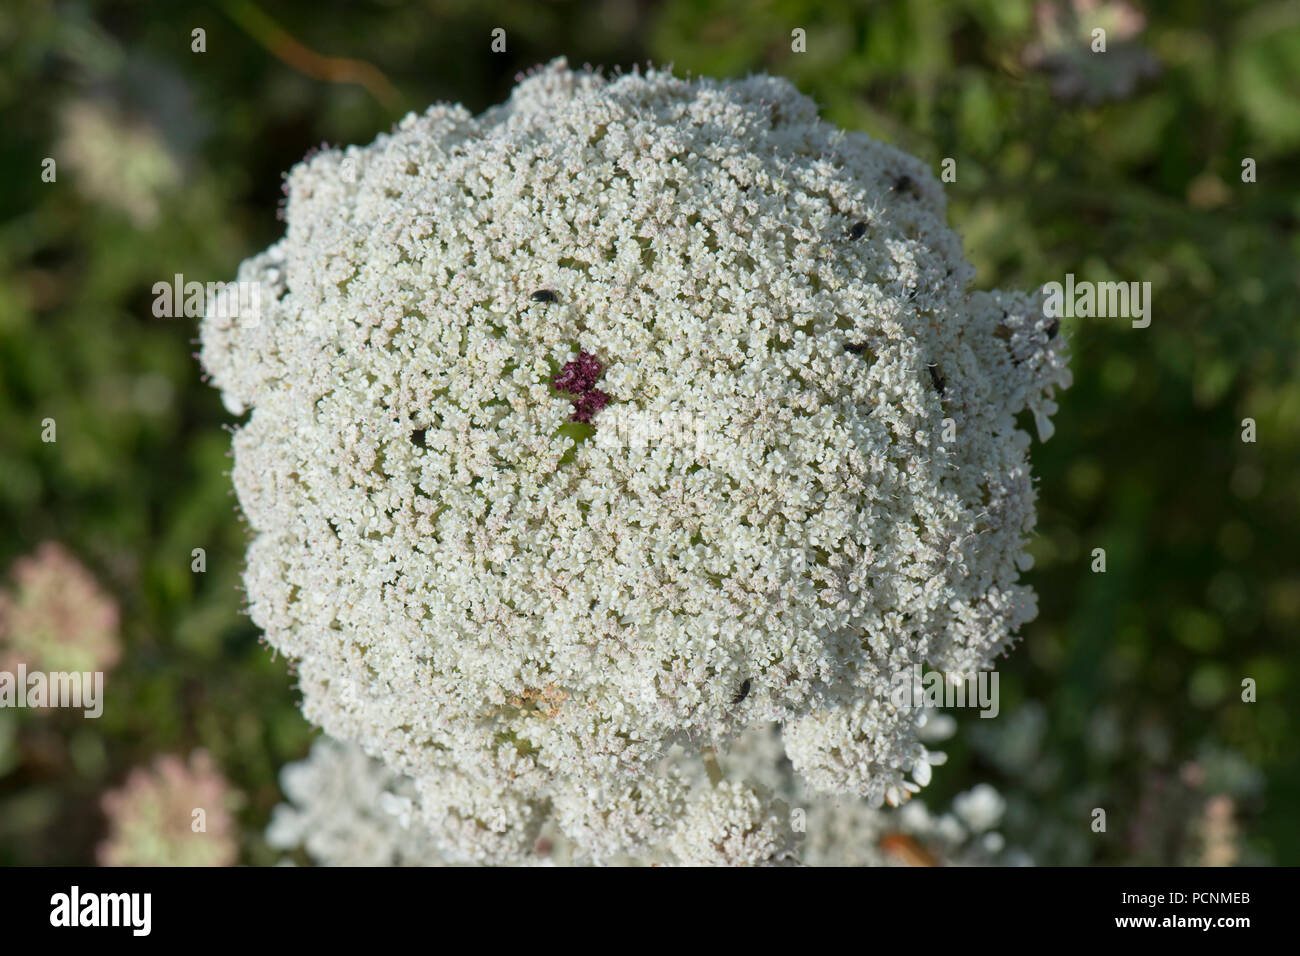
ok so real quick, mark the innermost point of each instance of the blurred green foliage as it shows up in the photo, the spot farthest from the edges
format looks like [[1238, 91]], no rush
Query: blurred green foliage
[[170, 161]]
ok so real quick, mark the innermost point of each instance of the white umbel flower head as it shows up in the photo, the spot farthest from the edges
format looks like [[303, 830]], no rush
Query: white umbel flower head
[[614, 419], [346, 809]]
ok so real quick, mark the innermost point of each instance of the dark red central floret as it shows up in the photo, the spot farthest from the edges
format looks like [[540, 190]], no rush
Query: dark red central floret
[[588, 404], [579, 375], [578, 378]]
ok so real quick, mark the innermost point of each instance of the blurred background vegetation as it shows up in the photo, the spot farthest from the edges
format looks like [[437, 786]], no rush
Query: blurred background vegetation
[[1124, 694]]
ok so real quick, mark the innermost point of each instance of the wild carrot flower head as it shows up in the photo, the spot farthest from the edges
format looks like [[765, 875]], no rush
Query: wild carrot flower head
[[775, 492]]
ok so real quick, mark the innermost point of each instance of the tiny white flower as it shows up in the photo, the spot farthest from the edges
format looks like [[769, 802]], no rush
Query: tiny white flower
[[980, 807]]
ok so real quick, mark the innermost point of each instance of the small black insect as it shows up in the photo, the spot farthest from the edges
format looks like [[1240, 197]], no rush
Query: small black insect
[[544, 295], [857, 348], [940, 384], [742, 693], [857, 230], [1052, 328], [417, 436], [904, 184]]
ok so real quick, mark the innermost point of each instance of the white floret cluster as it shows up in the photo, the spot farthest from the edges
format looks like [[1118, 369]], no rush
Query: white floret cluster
[[629, 414], [347, 809]]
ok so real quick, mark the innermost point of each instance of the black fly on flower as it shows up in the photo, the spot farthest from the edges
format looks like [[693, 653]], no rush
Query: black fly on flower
[[741, 694]]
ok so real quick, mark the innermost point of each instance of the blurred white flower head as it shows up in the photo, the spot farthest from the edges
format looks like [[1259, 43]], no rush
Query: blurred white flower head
[[55, 616], [171, 813], [1066, 46], [116, 159]]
